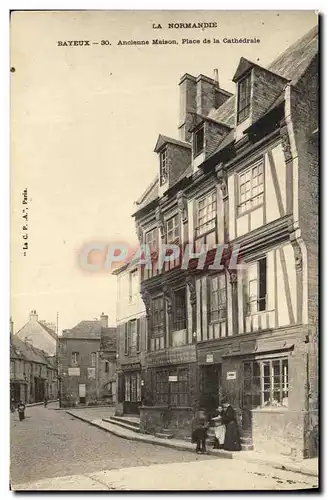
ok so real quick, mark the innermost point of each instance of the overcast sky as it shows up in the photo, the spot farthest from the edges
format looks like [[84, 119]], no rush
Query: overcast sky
[[85, 121]]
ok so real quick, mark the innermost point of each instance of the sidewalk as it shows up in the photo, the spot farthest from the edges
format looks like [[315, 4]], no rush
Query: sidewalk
[[307, 467], [198, 475]]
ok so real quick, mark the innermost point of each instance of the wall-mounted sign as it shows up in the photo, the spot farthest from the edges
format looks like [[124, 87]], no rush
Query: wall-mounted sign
[[231, 375], [209, 358], [91, 373], [74, 372], [173, 378]]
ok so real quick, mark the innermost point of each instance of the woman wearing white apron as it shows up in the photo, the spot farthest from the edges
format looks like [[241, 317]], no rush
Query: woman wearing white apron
[[219, 429]]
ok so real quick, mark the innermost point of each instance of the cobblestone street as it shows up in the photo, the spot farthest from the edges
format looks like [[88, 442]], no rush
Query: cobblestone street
[[52, 450]]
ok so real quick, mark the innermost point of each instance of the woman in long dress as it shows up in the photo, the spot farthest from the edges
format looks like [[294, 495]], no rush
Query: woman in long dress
[[219, 429], [232, 436]]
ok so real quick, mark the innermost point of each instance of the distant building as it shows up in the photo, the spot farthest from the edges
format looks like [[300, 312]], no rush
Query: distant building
[[131, 340], [40, 334], [87, 363], [33, 373]]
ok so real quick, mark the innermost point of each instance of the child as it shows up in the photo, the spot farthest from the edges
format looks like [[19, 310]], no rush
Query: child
[[21, 410], [199, 432], [219, 429]]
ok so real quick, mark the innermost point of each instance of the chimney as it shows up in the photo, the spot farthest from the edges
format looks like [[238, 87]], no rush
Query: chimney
[[187, 86], [216, 78], [104, 320], [205, 97], [33, 315]]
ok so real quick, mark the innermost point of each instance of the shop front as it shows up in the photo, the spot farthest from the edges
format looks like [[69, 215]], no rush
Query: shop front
[[170, 392], [262, 377]]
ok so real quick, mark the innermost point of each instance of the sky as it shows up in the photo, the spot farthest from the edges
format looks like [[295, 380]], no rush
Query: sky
[[84, 124]]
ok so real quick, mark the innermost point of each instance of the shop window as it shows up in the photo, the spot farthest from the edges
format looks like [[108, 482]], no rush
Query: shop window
[[265, 383], [257, 286], [179, 310], [172, 387], [218, 297], [132, 387]]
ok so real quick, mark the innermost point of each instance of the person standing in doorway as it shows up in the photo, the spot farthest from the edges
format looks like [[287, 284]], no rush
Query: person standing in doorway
[[21, 410], [232, 437]]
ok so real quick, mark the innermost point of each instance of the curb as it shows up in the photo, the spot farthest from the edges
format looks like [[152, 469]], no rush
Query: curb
[[41, 403], [155, 441], [216, 453]]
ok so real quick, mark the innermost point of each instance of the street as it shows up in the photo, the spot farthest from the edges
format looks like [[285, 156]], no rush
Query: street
[[52, 450]]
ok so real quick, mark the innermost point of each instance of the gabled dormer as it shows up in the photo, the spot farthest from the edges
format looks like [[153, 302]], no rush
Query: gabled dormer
[[174, 159], [256, 89], [207, 134]]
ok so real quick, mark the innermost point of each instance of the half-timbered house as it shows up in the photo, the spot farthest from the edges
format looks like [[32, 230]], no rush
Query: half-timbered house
[[243, 173]]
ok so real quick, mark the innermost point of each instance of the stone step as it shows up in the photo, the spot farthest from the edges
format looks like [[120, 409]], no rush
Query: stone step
[[134, 421], [123, 424], [163, 435]]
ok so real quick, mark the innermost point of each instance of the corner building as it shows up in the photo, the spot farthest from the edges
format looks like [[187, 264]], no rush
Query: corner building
[[244, 172]]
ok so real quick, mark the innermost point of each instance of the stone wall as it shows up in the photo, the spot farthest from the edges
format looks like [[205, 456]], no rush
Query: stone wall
[[177, 421]]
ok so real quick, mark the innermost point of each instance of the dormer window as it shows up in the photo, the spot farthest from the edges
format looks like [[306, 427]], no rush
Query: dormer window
[[199, 141], [163, 166], [244, 98]]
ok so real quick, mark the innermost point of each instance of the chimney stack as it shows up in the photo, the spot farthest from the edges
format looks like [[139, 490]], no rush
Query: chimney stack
[[33, 315], [216, 77], [104, 320], [188, 91]]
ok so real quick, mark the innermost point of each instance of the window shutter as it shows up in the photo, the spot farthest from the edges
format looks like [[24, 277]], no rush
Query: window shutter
[[138, 335], [128, 325], [126, 339]]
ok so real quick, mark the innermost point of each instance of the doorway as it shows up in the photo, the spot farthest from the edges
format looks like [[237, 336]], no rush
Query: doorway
[[82, 393], [210, 385]]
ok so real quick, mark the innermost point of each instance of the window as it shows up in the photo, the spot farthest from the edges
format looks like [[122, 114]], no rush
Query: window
[[132, 387], [93, 359], [244, 98], [179, 310], [257, 286], [133, 285], [133, 336], [158, 316], [75, 358], [199, 141], [163, 167], [106, 366], [251, 188], [173, 230], [206, 214], [172, 387], [218, 297], [265, 383], [151, 240]]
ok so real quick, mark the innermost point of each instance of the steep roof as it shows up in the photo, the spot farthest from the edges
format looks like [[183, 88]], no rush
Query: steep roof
[[49, 330], [290, 64], [84, 330], [24, 350], [294, 61]]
